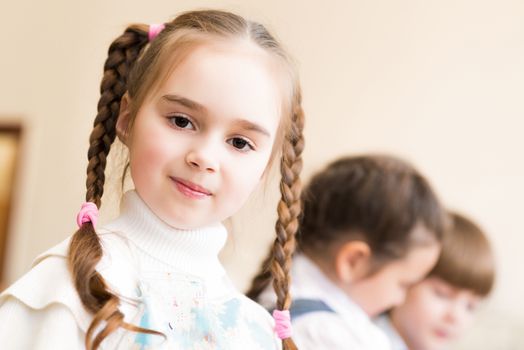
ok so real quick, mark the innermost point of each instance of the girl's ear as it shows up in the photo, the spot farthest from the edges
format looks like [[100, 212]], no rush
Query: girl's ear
[[122, 123], [352, 261]]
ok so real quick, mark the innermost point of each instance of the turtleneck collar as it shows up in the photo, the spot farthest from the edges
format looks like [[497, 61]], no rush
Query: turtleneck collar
[[192, 251]]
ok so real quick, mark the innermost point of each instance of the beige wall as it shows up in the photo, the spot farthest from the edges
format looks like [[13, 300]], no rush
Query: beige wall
[[437, 82]]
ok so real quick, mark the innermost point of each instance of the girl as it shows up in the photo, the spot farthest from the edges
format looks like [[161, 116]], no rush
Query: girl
[[440, 308], [203, 104], [371, 227]]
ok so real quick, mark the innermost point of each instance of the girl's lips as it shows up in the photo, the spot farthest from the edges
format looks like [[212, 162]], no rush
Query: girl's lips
[[441, 334], [191, 189]]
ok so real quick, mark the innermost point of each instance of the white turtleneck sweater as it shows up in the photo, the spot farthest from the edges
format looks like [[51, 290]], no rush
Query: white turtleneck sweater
[[168, 280]]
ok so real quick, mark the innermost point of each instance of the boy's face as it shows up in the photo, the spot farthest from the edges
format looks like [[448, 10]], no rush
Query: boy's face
[[434, 314]]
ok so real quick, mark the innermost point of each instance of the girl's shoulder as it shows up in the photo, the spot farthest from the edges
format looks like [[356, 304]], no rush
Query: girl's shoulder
[[265, 321], [49, 283], [255, 325], [256, 310]]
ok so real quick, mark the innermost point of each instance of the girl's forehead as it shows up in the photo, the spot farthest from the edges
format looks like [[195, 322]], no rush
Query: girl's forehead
[[235, 79]]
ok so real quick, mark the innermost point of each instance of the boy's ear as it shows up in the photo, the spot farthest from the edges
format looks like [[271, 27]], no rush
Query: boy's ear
[[352, 261], [122, 123]]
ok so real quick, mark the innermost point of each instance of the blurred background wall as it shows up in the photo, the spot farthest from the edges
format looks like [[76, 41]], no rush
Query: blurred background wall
[[439, 83]]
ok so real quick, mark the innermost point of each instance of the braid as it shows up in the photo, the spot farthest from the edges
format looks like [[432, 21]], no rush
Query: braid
[[277, 263], [290, 170], [123, 52], [85, 250], [288, 212]]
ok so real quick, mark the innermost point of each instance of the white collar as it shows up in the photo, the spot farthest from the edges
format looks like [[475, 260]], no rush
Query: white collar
[[310, 282], [191, 251]]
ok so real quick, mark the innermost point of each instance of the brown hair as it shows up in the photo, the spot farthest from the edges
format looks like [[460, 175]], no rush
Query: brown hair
[[466, 260], [377, 199], [135, 67]]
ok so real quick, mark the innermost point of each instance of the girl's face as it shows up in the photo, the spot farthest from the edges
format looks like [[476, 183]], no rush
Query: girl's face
[[434, 313], [200, 145], [387, 287]]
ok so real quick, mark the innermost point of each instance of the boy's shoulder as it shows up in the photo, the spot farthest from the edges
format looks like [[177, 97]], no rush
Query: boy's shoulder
[[326, 329]]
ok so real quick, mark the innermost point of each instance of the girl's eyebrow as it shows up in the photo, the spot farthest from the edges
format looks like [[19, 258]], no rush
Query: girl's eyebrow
[[243, 123], [185, 102], [247, 125]]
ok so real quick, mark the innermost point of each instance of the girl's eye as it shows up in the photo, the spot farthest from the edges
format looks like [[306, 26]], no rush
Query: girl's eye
[[181, 122], [241, 144]]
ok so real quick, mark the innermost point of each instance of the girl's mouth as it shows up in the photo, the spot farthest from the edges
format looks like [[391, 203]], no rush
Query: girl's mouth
[[441, 334], [190, 189]]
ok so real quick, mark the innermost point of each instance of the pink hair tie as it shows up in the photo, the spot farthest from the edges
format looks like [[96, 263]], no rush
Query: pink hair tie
[[88, 213], [282, 323], [154, 30]]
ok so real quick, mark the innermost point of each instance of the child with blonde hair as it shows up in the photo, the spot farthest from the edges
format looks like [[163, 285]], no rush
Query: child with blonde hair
[[371, 228], [439, 309], [204, 104]]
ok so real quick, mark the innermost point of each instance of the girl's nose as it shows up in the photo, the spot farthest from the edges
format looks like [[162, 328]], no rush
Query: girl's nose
[[204, 158]]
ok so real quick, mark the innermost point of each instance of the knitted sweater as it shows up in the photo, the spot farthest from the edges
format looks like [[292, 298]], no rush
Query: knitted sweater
[[168, 280]]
